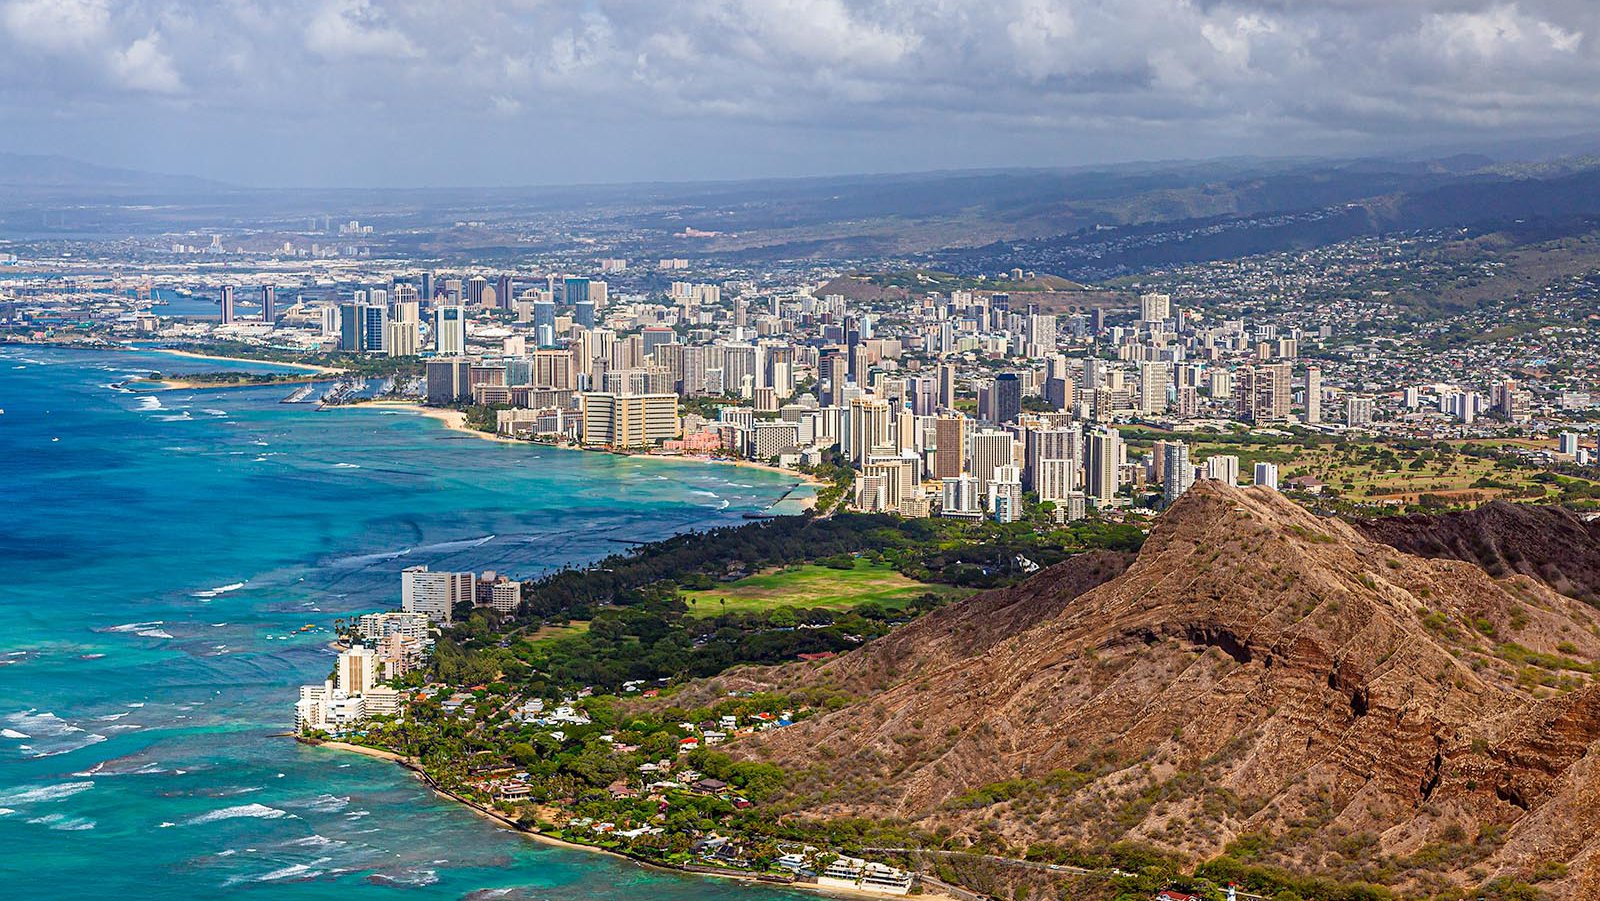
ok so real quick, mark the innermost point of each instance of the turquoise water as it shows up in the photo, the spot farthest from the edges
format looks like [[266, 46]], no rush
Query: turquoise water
[[161, 548]]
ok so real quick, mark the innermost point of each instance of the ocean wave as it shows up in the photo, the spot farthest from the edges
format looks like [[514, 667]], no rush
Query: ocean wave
[[12, 733], [63, 823], [293, 871], [214, 412], [314, 841], [181, 417], [146, 403], [220, 589], [39, 794], [51, 735], [240, 811], [326, 803], [347, 466], [132, 627], [153, 633], [417, 877]]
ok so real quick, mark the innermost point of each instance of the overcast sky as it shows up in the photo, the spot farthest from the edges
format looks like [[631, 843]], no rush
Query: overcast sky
[[486, 92]]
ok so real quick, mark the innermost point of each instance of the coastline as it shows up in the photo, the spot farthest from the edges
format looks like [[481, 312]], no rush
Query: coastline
[[456, 421], [540, 837], [303, 367], [183, 384]]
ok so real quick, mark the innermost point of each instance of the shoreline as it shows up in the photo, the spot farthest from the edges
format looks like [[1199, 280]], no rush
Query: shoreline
[[534, 835], [456, 421], [182, 384], [310, 368]]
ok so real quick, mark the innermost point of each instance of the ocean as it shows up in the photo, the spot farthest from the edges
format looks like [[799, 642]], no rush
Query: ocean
[[161, 551]]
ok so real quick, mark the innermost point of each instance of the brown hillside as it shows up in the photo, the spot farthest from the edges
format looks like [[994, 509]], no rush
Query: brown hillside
[[1257, 670], [1549, 543]]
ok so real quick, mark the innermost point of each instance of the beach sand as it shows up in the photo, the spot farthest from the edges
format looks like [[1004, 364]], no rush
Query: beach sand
[[304, 367], [456, 421]]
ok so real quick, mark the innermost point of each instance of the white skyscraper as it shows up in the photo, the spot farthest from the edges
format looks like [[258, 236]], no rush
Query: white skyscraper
[[1223, 468], [356, 670], [450, 331], [1313, 395], [1104, 460], [435, 593], [1267, 475]]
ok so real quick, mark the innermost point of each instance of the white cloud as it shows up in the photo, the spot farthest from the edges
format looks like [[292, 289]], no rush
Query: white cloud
[[57, 25], [144, 66], [343, 29]]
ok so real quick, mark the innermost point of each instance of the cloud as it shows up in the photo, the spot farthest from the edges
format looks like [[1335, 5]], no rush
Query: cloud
[[143, 66], [56, 25], [880, 83], [345, 29]]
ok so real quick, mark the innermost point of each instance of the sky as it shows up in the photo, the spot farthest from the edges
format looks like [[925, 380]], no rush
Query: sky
[[411, 93]]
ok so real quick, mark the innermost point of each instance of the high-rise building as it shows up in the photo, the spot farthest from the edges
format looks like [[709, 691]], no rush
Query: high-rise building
[[1266, 475], [947, 386], [363, 327], [1568, 445], [404, 328], [1102, 465], [225, 311], [1178, 473], [269, 304], [1155, 381], [1357, 411], [449, 331], [1006, 401], [1262, 393], [866, 427], [583, 313], [1223, 468], [1155, 307], [616, 420], [477, 286], [991, 449], [502, 291], [544, 322], [435, 593], [949, 457], [1005, 494], [1313, 395], [576, 291], [1057, 479], [449, 380], [357, 670], [959, 496]]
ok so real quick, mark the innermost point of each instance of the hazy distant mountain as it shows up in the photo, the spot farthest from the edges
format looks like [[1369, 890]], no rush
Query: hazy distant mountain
[[58, 175]]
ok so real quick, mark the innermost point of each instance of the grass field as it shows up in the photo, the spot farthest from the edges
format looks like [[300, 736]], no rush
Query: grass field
[[1390, 473], [814, 586], [552, 631]]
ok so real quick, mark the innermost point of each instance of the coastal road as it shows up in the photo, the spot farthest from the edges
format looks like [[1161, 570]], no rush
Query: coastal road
[[1021, 864]]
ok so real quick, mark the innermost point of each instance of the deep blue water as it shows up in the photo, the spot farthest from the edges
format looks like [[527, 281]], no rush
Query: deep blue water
[[160, 549]]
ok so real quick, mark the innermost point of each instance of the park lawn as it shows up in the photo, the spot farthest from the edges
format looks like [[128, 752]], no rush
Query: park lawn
[[1406, 485], [553, 631], [810, 585]]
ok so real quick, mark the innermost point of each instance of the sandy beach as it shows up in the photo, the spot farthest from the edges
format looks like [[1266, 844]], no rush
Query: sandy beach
[[456, 421], [304, 367], [182, 384]]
